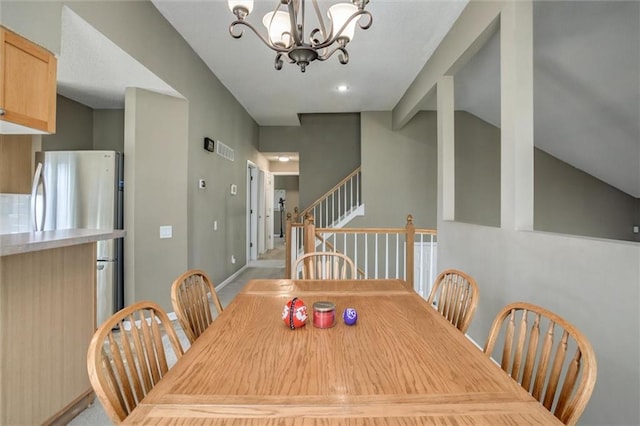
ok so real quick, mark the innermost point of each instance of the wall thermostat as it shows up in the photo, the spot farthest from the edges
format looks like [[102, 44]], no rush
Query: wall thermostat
[[208, 144]]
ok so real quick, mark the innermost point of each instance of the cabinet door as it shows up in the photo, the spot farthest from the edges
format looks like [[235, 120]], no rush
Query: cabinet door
[[27, 83], [15, 164]]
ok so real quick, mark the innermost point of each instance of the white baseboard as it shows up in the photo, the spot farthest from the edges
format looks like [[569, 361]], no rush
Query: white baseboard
[[231, 278], [474, 342], [172, 315], [481, 348]]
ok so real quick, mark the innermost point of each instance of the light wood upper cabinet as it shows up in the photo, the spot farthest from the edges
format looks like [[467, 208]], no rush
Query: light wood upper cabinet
[[27, 83], [16, 155]]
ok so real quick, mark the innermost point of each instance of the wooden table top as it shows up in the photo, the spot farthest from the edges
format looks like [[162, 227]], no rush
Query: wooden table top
[[401, 364]]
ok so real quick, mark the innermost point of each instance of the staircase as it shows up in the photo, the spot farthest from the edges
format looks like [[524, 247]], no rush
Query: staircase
[[376, 252], [338, 206]]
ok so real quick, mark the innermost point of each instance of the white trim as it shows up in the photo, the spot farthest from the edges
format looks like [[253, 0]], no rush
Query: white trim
[[231, 278], [267, 263], [172, 315], [481, 349], [474, 342]]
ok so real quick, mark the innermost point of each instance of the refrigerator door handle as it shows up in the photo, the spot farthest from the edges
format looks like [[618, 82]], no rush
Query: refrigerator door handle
[[37, 177]]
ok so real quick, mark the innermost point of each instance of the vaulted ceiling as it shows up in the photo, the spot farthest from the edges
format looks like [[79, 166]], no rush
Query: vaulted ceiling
[[586, 72]]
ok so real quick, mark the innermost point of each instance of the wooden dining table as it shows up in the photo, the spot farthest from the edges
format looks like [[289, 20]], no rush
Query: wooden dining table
[[401, 363]]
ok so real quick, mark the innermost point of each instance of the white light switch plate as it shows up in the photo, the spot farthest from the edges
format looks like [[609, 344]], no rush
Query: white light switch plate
[[166, 231]]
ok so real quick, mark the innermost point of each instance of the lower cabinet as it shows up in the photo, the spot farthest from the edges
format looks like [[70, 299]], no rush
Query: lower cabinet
[[47, 318]]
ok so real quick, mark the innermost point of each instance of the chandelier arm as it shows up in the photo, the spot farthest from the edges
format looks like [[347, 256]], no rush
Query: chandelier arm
[[260, 36], [343, 57], [322, 29], [278, 62], [338, 34]]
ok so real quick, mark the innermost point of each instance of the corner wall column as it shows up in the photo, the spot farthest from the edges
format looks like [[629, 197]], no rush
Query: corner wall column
[[516, 68], [446, 149]]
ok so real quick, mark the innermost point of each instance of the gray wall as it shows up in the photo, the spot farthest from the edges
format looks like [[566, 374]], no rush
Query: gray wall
[[108, 129], [566, 200], [637, 221], [570, 201], [593, 283], [213, 112], [477, 156], [291, 185], [151, 199], [74, 127], [398, 171], [80, 127], [329, 147]]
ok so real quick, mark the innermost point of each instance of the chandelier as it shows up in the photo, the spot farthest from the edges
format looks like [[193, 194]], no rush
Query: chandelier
[[286, 32]]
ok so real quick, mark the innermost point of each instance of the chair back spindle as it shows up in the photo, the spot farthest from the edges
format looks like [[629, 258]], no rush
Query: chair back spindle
[[455, 295], [190, 294], [127, 357], [325, 266], [549, 357]]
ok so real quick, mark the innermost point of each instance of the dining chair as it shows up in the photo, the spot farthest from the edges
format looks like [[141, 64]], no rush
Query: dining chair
[[536, 352], [127, 356], [323, 265], [455, 295], [190, 294]]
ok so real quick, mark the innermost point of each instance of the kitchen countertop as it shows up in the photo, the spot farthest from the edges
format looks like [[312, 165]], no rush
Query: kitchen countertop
[[44, 240]]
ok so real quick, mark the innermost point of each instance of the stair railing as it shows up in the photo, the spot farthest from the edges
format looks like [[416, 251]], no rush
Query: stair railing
[[378, 253], [336, 203]]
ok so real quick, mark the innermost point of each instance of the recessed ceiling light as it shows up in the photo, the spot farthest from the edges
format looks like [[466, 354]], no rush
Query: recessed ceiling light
[[343, 88], [283, 158]]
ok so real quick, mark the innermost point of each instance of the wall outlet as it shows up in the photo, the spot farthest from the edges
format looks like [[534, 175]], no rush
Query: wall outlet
[[202, 184], [233, 259], [636, 229], [166, 231]]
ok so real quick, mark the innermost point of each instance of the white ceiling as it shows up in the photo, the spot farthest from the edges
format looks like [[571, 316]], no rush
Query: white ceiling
[[379, 70], [587, 67], [94, 71]]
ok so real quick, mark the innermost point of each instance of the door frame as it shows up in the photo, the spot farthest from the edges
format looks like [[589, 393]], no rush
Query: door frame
[[252, 211], [261, 211], [268, 198]]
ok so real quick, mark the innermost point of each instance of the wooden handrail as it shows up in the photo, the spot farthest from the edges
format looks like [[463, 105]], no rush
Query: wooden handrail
[[329, 192], [375, 230], [311, 234]]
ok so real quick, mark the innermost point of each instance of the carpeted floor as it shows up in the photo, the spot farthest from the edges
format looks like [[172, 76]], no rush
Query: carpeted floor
[[269, 265]]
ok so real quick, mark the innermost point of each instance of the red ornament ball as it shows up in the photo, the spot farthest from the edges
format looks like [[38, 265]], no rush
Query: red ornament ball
[[294, 313]]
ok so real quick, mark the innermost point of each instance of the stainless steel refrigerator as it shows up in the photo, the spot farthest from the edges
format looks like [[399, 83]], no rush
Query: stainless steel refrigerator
[[84, 189]]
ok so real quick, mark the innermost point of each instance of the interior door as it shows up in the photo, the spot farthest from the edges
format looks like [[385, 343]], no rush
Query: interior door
[[252, 212], [261, 211]]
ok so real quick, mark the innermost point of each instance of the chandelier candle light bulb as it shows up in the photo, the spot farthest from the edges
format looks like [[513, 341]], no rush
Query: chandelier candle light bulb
[[278, 26], [339, 15], [285, 30], [246, 6]]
